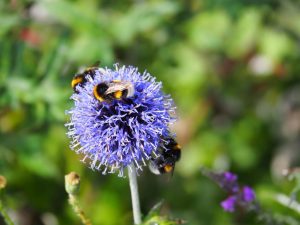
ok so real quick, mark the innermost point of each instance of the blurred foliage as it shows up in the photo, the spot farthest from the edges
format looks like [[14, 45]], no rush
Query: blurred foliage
[[154, 217], [232, 67]]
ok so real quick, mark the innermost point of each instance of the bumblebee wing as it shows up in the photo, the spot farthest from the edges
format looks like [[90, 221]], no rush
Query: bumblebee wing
[[115, 87], [153, 168]]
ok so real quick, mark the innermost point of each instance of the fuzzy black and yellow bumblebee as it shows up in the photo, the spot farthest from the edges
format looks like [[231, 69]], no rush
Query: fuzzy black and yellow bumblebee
[[114, 90], [165, 163], [81, 78]]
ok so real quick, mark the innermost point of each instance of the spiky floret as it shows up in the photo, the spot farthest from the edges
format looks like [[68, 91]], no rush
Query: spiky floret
[[120, 133]]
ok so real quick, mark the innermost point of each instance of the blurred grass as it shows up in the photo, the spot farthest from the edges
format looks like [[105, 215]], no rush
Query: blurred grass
[[232, 67]]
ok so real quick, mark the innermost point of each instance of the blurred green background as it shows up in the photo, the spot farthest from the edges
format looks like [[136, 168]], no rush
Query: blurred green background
[[232, 67]]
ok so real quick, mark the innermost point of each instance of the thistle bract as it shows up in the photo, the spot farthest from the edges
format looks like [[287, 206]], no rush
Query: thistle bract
[[119, 133]]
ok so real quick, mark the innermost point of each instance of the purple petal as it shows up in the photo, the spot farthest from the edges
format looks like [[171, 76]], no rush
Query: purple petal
[[230, 177], [248, 194], [229, 204]]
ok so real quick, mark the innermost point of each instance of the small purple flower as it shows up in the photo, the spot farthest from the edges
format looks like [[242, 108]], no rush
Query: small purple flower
[[229, 182], [237, 197], [248, 194], [121, 133], [229, 204], [230, 177], [226, 180], [242, 198]]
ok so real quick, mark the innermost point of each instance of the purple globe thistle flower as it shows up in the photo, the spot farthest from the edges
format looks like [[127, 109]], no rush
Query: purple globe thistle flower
[[120, 133]]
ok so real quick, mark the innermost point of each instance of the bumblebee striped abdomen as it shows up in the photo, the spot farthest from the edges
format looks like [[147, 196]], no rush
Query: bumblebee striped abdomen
[[114, 90], [78, 79], [81, 78], [165, 163]]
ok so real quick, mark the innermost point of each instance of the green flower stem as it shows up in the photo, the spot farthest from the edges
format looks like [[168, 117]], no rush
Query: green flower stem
[[6, 217], [134, 195], [78, 210]]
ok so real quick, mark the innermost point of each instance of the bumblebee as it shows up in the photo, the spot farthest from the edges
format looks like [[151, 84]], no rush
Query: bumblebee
[[165, 163], [114, 90], [81, 78]]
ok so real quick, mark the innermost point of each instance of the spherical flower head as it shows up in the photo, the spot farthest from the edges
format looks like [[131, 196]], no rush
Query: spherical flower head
[[123, 132]]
